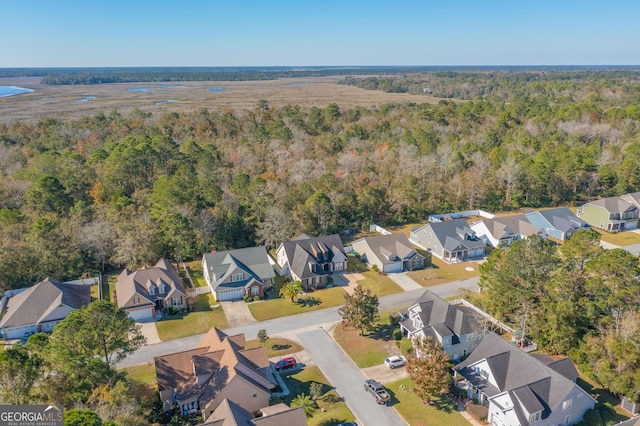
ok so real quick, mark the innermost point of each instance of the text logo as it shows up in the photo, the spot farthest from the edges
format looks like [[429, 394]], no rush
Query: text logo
[[31, 415]]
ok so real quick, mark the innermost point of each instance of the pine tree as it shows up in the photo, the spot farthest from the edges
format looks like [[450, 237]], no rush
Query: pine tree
[[360, 309]]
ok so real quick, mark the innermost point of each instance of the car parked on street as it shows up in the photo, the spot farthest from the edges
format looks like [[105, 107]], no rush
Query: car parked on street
[[395, 361], [286, 363]]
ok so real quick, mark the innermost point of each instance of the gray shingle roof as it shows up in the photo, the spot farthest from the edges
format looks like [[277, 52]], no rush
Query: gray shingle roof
[[384, 247], [255, 259], [512, 370], [440, 316], [32, 305], [516, 224], [614, 205], [304, 251], [456, 235], [563, 219]]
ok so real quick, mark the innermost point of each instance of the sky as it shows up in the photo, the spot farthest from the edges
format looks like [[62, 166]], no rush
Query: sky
[[116, 33]]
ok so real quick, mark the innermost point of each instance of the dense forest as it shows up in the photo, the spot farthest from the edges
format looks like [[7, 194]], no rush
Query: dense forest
[[110, 190]]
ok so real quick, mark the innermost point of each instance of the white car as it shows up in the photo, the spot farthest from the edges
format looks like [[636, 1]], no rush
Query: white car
[[395, 361]]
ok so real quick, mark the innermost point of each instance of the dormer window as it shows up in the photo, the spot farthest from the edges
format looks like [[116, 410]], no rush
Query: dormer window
[[161, 289], [136, 300], [152, 290], [535, 417]]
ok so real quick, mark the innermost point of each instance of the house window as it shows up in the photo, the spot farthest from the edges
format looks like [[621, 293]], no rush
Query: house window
[[567, 404], [176, 301], [471, 336], [567, 420], [136, 300], [152, 290], [534, 417], [161, 289], [237, 277]]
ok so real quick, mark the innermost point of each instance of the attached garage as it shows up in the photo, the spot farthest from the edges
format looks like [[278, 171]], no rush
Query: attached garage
[[393, 267], [141, 314], [223, 294]]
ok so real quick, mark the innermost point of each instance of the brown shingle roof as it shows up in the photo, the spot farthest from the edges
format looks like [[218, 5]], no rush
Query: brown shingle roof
[[139, 282], [216, 360]]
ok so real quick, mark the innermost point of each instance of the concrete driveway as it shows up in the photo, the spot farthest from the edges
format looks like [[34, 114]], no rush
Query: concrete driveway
[[238, 313], [405, 282], [348, 380], [149, 330], [384, 374]]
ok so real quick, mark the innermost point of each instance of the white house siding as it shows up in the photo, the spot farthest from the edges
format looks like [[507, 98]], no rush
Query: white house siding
[[19, 332], [58, 313], [468, 343]]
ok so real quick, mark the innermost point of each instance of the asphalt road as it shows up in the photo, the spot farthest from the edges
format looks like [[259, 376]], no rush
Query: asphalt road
[[293, 323], [348, 380]]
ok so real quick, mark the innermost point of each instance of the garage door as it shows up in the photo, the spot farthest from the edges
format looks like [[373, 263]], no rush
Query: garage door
[[141, 314], [229, 294], [393, 267]]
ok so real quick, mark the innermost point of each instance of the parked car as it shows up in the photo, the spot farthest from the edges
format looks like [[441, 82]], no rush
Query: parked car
[[395, 361], [378, 391], [26, 336], [286, 363]]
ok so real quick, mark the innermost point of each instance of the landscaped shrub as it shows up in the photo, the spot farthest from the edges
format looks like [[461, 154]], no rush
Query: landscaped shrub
[[256, 298], [405, 346], [172, 310], [245, 298], [397, 334], [394, 318], [479, 412]]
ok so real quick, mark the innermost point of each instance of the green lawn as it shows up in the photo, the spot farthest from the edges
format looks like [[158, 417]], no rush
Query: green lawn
[[620, 239], [195, 271], [416, 413], [334, 412], [95, 294], [144, 373], [276, 307], [109, 285], [608, 405], [378, 284], [438, 271], [276, 346], [372, 348], [200, 320]]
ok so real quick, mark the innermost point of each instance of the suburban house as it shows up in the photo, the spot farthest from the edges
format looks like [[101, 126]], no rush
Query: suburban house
[[312, 259], [232, 274], [454, 326], [229, 413], [558, 223], [391, 253], [450, 240], [218, 368], [633, 198], [521, 389], [611, 214], [144, 292], [505, 230], [40, 307]]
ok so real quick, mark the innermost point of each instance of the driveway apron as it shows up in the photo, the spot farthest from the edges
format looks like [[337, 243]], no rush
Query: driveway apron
[[238, 313], [347, 379], [404, 281]]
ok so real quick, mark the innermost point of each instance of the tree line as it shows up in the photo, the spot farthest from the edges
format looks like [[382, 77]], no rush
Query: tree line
[[78, 196], [578, 300]]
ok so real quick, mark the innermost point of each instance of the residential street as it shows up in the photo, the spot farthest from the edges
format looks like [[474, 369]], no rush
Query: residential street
[[347, 379], [292, 325]]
